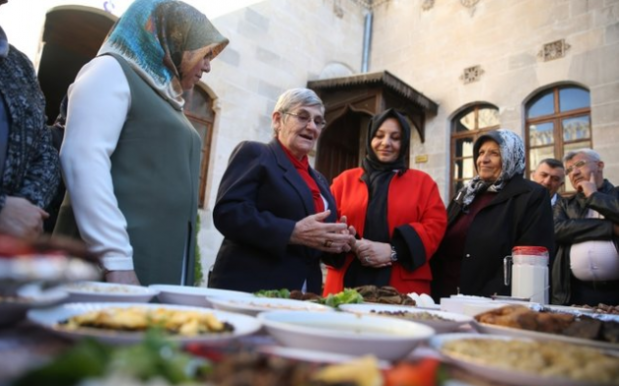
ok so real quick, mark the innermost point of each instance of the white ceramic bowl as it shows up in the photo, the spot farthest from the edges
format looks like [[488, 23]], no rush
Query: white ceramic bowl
[[346, 333], [95, 291], [193, 296], [255, 305], [444, 321]]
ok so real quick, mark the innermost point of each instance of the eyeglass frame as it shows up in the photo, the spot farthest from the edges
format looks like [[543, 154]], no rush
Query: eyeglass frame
[[301, 120], [577, 165]]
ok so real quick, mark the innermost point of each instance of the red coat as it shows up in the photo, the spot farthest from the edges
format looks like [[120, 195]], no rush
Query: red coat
[[414, 205]]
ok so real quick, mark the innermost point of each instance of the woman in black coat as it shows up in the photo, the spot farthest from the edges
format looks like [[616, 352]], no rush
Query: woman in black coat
[[276, 213], [494, 212]]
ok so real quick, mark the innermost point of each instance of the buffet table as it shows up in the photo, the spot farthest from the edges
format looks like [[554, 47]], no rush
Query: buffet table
[[25, 346]]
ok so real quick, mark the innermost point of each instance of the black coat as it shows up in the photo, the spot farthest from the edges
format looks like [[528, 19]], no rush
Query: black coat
[[260, 199], [519, 215], [571, 227]]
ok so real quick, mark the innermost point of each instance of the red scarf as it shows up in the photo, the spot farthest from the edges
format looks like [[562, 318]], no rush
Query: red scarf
[[302, 167]]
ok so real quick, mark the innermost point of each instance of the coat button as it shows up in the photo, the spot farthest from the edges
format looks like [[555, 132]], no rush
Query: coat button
[[467, 255]]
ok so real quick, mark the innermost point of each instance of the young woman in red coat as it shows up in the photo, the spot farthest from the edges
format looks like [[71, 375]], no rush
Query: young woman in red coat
[[397, 212]]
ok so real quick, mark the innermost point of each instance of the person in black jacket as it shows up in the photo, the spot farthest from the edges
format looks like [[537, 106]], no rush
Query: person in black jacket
[[29, 167], [276, 212], [494, 212], [585, 270]]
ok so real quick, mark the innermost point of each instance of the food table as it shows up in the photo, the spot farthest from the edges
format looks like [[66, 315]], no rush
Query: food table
[[26, 345]]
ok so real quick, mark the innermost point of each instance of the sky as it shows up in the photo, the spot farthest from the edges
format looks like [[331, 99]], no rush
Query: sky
[[23, 20]]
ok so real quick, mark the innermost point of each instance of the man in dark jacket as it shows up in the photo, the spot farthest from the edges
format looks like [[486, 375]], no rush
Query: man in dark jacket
[[585, 270]]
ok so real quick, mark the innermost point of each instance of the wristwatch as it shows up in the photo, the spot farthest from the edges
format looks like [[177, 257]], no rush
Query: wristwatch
[[393, 254]]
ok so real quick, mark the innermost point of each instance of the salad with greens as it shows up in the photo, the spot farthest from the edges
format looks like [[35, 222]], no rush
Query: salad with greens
[[348, 296]]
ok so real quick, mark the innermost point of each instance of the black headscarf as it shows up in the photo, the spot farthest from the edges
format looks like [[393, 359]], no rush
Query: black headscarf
[[377, 176]]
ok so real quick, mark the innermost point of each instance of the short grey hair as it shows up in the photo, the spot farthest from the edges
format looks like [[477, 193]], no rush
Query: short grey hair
[[295, 97], [592, 155]]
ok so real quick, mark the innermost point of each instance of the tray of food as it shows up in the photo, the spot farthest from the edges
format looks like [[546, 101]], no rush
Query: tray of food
[[521, 321], [121, 323], [528, 362]]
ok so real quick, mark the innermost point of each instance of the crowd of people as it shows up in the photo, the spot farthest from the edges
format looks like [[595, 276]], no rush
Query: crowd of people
[[130, 164]]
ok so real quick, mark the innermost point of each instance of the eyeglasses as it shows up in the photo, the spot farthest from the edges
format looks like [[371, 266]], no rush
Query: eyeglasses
[[576, 165], [304, 118]]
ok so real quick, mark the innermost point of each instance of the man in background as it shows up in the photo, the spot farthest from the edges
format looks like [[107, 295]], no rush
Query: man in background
[[550, 174], [585, 270]]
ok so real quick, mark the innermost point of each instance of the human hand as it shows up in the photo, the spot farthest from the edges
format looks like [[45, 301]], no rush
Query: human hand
[[313, 232], [373, 254], [587, 187], [350, 230], [122, 277], [21, 218]]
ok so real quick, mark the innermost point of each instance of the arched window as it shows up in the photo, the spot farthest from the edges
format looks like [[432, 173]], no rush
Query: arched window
[[557, 121], [199, 110], [467, 126]]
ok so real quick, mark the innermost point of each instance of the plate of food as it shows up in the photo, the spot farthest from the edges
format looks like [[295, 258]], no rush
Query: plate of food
[[313, 356], [193, 296], [438, 320], [123, 323], [520, 321], [527, 362], [95, 291], [252, 306], [14, 307], [345, 333]]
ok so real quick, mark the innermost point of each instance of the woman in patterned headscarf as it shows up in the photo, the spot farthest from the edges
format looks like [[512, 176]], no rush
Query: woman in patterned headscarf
[[130, 157], [494, 212]]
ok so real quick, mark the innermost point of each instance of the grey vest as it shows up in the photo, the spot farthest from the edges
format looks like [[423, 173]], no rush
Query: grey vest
[[155, 170]]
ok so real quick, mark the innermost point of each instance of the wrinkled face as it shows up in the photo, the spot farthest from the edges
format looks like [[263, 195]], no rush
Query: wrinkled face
[[299, 128], [193, 75], [387, 141], [582, 168], [489, 161], [550, 178]]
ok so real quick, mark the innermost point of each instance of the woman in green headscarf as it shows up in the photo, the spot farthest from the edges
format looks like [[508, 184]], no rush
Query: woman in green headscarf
[[130, 157]]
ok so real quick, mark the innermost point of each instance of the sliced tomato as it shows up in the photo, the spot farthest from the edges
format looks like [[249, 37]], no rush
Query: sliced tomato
[[420, 373]]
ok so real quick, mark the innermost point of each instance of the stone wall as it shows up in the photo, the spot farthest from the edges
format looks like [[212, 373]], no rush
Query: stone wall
[[428, 44]]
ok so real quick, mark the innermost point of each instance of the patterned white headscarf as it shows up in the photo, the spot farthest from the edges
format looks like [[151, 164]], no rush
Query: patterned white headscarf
[[513, 162], [161, 39]]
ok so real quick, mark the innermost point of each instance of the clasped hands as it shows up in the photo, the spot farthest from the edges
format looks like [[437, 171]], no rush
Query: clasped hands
[[314, 232], [373, 254]]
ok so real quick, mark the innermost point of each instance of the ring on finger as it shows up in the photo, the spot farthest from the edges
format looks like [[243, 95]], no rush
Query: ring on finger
[[367, 259], [327, 244]]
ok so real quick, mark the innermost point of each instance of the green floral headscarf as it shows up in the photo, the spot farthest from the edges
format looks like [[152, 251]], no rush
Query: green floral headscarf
[[161, 39]]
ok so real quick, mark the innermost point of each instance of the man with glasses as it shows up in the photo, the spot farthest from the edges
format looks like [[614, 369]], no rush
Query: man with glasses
[[585, 270], [550, 174]]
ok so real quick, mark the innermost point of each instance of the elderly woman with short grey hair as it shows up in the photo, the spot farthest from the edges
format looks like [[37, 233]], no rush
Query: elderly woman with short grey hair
[[276, 212]]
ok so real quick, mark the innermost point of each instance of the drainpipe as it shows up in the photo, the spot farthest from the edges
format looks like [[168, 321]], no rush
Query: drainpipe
[[367, 37]]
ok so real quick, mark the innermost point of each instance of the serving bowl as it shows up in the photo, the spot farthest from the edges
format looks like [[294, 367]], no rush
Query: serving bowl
[[193, 296], [346, 333]]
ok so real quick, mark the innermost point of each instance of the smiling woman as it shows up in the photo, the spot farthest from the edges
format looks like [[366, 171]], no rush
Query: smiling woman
[[397, 212], [276, 212], [494, 212]]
